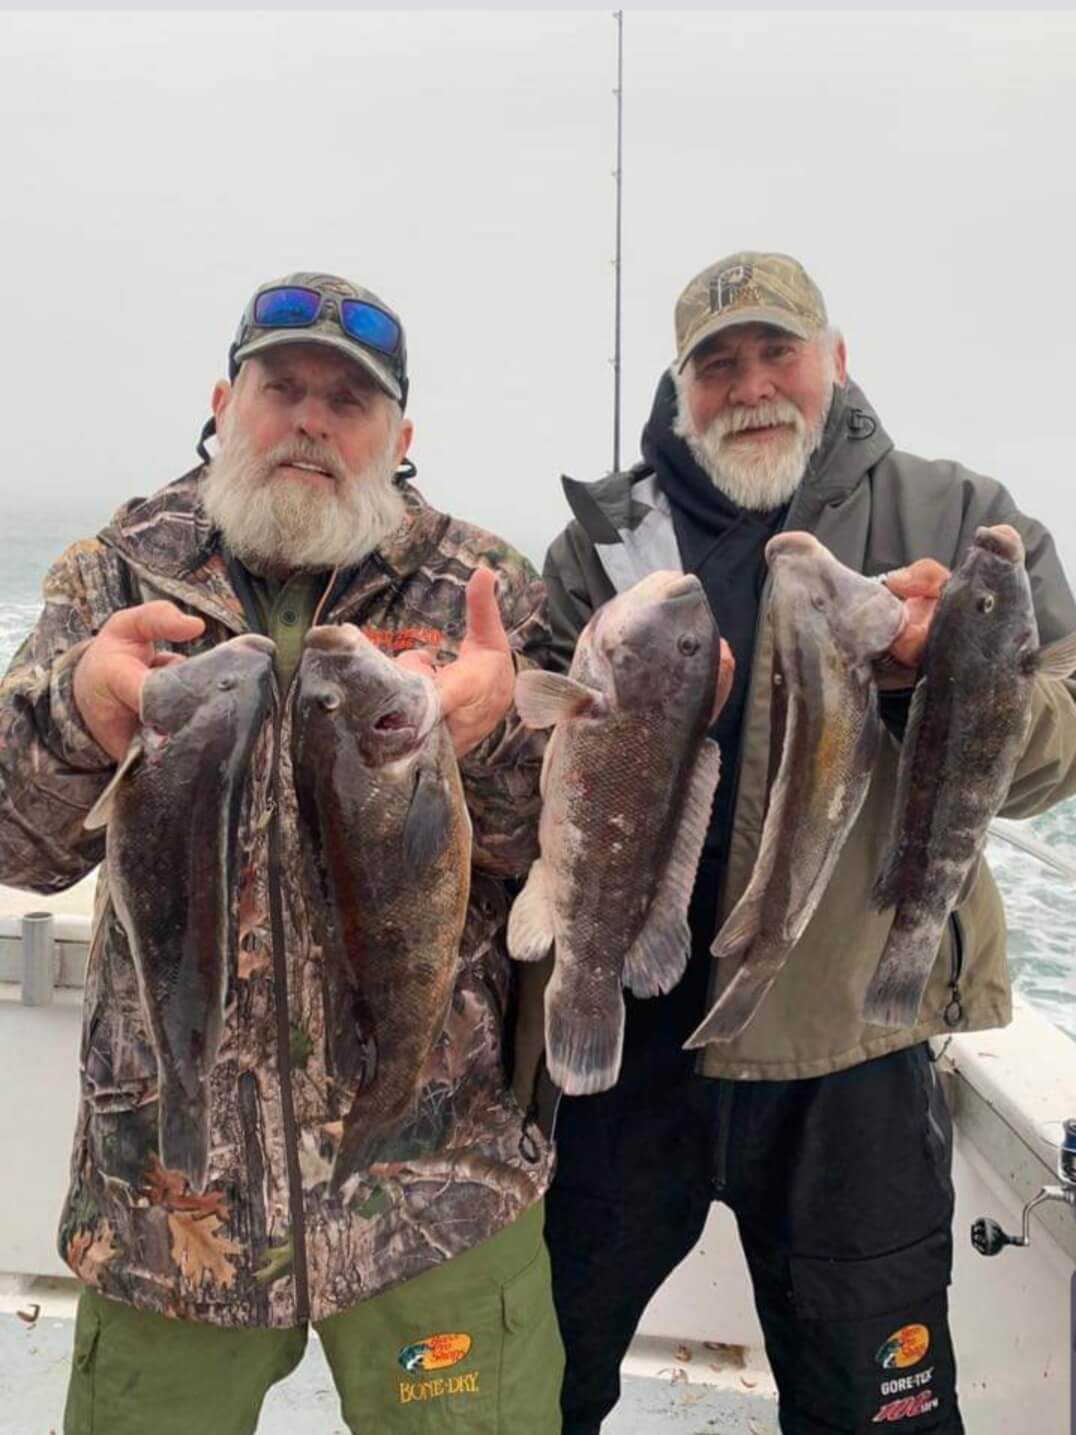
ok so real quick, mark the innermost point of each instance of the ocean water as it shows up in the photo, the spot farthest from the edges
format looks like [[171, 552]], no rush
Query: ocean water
[[1040, 903]]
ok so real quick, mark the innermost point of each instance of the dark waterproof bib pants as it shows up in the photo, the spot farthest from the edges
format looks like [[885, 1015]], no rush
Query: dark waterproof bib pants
[[841, 1189]]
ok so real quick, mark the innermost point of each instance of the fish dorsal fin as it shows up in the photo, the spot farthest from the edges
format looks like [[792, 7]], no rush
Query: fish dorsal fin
[[543, 699], [656, 960], [530, 922], [1057, 660], [429, 818], [101, 810]]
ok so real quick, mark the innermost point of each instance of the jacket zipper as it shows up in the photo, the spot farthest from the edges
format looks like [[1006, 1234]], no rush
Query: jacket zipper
[[283, 1031], [954, 1010]]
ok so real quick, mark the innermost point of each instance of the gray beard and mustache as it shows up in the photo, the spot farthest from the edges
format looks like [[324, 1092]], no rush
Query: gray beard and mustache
[[272, 522], [757, 480]]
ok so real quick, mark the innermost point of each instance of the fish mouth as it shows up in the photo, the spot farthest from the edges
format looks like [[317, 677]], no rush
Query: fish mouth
[[685, 585], [783, 545], [1002, 540], [257, 642], [335, 638], [395, 721]]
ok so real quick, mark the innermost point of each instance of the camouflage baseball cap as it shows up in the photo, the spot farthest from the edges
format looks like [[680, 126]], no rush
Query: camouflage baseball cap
[[344, 317], [748, 288]]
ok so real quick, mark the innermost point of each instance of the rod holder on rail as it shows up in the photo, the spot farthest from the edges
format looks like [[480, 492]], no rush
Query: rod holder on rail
[[38, 959], [988, 1237]]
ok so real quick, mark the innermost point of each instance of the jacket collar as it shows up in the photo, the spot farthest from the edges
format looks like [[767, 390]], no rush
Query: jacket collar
[[169, 540], [854, 442]]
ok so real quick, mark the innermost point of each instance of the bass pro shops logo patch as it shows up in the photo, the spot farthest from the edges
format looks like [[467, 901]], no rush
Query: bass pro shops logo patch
[[904, 1347], [435, 1352]]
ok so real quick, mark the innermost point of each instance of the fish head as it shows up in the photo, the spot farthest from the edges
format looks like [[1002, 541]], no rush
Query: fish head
[[232, 677], [389, 710], [653, 644], [813, 589], [986, 603]]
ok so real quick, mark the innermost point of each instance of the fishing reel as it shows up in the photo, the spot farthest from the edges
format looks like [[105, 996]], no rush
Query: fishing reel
[[987, 1236]]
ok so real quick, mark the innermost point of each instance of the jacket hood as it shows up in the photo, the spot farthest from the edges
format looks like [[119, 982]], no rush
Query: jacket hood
[[854, 441]]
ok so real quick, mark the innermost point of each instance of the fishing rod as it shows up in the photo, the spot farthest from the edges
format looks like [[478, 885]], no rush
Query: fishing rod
[[618, 175]]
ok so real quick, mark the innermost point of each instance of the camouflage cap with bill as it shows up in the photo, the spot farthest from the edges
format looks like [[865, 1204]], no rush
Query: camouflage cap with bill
[[387, 368], [748, 288]]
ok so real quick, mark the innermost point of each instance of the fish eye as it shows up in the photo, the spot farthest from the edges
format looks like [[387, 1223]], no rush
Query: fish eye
[[329, 700], [226, 684], [688, 645], [987, 603], [817, 601]]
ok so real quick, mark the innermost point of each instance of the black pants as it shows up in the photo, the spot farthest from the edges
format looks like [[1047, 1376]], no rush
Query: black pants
[[841, 1189]]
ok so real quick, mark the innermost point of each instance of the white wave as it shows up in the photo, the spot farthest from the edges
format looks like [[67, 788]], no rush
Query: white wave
[[16, 620]]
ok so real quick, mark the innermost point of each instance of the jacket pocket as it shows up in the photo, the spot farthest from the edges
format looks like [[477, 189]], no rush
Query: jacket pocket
[[847, 1290]]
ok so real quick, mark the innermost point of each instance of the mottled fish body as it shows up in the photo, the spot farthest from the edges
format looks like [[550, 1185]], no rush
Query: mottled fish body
[[627, 786], [173, 817], [389, 847], [966, 729], [829, 626]]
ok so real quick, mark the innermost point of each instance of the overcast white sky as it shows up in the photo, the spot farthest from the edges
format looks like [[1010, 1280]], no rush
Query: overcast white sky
[[156, 168]]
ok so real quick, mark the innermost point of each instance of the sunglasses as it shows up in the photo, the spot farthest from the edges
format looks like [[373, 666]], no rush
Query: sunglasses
[[294, 307]]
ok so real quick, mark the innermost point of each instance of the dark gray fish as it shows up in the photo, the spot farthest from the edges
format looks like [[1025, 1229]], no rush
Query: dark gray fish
[[389, 840], [966, 730], [627, 785], [829, 625], [173, 817]]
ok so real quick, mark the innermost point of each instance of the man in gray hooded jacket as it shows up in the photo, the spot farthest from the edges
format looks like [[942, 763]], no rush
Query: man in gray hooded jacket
[[828, 1137]]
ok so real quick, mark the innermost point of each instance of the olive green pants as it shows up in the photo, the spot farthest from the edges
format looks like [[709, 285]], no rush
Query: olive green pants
[[470, 1346]]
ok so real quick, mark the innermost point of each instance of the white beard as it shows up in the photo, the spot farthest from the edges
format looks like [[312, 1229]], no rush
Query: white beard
[[760, 476], [273, 522]]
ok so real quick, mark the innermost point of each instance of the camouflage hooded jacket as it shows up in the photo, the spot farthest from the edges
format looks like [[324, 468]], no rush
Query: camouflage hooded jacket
[[267, 1244]]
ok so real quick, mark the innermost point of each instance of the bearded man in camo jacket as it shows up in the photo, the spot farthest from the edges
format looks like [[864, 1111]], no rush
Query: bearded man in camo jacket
[[429, 1283]]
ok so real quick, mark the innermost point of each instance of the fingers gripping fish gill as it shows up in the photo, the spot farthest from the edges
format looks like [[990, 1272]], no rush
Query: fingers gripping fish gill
[[966, 731], [173, 813], [389, 845], [627, 786], [829, 624]]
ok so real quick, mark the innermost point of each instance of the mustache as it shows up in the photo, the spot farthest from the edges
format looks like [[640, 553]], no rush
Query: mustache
[[764, 415], [304, 451]]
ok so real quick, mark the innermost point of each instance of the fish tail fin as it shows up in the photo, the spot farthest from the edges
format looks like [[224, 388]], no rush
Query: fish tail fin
[[741, 999], [583, 1048], [896, 990], [183, 1123]]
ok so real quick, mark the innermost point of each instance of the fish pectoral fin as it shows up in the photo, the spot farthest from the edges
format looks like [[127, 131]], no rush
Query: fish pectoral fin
[[659, 954], [1057, 660], [741, 928], [101, 810], [741, 999], [530, 922], [429, 819], [543, 699]]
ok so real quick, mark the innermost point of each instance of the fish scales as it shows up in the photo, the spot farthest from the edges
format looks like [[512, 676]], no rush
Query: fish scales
[[967, 727], [173, 815], [389, 840], [627, 784], [829, 624]]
